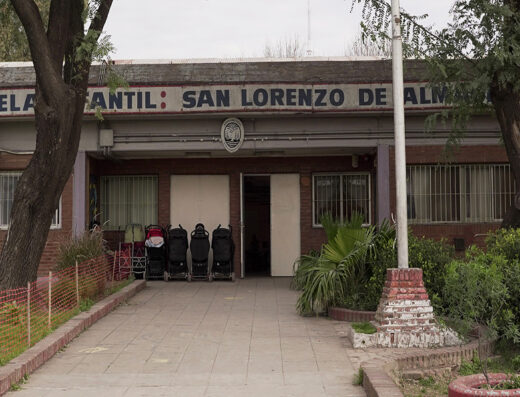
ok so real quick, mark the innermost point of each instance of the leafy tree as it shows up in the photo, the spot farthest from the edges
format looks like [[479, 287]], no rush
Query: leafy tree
[[13, 42], [477, 56], [62, 52]]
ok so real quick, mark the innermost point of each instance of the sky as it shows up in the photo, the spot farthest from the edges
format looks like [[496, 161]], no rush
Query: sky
[[175, 29]]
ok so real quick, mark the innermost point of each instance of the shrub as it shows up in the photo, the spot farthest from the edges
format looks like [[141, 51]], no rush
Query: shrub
[[476, 293], [342, 270], [89, 245], [432, 257], [506, 243]]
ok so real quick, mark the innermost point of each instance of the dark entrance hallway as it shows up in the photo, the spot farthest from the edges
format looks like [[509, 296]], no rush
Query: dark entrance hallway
[[257, 220]]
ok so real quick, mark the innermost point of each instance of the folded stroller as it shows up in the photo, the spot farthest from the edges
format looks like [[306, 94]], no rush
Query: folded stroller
[[132, 255], [177, 267], [155, 251], [223, 252], [199, 247]]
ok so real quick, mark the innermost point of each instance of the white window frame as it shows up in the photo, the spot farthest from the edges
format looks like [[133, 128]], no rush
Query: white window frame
[[57, 215], [369, 188], [463, 193]]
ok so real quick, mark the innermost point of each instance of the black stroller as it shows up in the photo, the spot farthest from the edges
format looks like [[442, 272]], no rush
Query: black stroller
[[223, 252], [177, 267], [199, 247], [155, 251]]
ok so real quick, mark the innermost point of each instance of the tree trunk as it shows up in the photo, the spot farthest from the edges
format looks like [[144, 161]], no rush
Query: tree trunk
[[61, 57], [507, 106], [39, 189]]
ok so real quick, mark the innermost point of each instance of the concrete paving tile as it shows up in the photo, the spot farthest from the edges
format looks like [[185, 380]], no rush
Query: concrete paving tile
[[302, 378], [32, 392], [217, 339], [265, 378], [169, 391], [228, 379], [94, 364], [344, 391]]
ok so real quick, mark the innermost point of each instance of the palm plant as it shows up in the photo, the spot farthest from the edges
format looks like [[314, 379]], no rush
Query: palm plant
[[341, 266]]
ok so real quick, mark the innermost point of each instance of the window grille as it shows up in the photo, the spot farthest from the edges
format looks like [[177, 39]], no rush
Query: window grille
[[459, 193], [128, 199], [8, 181], [341, 195]]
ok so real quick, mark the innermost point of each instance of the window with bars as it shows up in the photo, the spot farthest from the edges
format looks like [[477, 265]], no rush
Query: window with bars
[[8, 181], [128, 199], [459, 193], [341, 195]]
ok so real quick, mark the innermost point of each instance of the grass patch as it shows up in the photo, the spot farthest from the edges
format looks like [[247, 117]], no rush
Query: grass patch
[[364, 328], [358, 378], [18, 386], [13, 321]]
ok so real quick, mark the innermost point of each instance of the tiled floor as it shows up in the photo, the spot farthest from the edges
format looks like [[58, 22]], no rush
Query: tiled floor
[[203, 339]]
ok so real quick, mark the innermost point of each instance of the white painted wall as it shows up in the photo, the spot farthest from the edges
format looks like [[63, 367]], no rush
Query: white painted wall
[[285, 223]]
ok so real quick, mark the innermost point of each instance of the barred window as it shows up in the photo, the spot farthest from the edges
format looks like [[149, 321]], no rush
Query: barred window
[[341, 195], [128, 199], [8, 181], [459, 193]]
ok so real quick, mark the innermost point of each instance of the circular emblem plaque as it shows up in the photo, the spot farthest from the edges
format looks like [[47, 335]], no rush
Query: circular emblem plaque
[[232, 134]]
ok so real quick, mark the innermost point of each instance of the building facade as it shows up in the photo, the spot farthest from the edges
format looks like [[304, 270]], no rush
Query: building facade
[[266, 146]]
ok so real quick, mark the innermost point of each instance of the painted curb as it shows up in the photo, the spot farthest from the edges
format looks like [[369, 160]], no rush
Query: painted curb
[[36, 356], [376, 379]]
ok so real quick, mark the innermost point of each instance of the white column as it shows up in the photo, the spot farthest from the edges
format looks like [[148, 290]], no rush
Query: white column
[[399, 129], [79, 187]]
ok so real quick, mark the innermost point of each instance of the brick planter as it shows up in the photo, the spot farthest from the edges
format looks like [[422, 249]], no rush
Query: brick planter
[[341, 314], [468, 386]]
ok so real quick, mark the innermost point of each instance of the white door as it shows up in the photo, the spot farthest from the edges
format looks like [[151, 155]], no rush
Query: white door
[[199, 199], [285, 223]]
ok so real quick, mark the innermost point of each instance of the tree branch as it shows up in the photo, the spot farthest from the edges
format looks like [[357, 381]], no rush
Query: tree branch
[[46, 76], [58, 31], [98, 22]]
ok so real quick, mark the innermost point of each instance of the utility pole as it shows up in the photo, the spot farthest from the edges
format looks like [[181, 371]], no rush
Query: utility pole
[[399, 137], [309, 50]]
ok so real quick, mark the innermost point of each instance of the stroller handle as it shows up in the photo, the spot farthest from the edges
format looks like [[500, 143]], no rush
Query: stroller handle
[[206, 233]]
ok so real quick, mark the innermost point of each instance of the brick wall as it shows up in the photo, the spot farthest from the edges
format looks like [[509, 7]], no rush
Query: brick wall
[[311, 238], [472, 233], [10, 162]]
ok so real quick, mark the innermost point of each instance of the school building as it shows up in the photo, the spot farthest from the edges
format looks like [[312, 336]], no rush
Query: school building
[[266, 146]]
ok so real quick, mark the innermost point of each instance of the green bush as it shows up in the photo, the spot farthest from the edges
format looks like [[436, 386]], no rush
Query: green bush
[[89, 245], [432, 257], [476, 292], [340, 273], [506, 243]]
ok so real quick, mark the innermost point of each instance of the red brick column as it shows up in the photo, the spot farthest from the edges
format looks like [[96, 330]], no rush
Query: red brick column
[[404, 317]]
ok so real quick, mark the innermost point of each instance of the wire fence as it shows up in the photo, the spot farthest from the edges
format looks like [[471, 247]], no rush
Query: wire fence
[[29, 314]]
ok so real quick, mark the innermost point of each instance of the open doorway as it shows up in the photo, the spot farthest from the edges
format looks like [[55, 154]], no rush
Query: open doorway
[[257, 221]]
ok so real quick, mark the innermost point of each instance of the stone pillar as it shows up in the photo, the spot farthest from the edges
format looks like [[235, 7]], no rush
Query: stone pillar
[[79, 195], [383, 183], [404, 317]]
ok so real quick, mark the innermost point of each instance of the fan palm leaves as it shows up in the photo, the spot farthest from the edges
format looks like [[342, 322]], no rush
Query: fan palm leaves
[[326, 277]]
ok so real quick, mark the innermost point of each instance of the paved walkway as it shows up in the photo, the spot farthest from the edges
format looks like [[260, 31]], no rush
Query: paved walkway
[[203, 339]]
